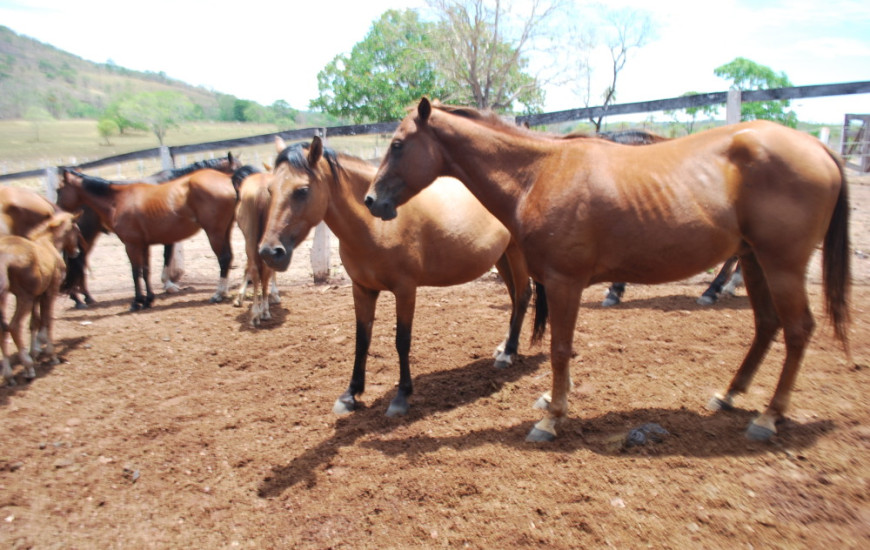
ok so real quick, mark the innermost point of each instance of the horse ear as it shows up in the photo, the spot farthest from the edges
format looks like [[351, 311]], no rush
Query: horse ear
[[315, 151], [279, 144], [424, 109], [267, 167]]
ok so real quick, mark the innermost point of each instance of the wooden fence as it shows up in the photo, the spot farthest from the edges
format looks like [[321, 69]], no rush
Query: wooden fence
[[732, 99]]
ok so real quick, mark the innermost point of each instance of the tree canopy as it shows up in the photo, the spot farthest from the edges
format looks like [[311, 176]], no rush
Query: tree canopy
[[383, 74], [157, 111], [749, 75]]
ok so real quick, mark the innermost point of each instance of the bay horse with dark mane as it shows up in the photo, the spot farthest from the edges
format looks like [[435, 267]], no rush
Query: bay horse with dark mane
[[143, 214], [446, 238], [587, 210], [75, 281]]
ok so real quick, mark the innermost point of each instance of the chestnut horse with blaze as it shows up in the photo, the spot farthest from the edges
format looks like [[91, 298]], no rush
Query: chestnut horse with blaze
[[587, 210]]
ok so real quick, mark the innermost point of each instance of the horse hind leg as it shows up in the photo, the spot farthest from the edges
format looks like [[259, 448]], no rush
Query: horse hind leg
[[711, 295], [511, 267], [172, 271], [614, 295]]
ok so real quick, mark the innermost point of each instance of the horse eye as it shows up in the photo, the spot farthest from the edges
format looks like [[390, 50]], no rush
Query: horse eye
[[300, 193], [396, 146]]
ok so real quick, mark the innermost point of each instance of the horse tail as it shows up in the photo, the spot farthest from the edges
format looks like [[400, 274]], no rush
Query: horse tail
[[836, 261], [542, 313]]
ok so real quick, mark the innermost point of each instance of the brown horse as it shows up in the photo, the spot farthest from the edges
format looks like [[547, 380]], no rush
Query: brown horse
[[31, 268], [142, 214], [588, 211], [252, 210], [446, 238], [75, 281]]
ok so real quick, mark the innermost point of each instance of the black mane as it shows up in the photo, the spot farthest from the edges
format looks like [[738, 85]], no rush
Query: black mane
[[240, 174], [175, 173], [93, 184], [295, 155]]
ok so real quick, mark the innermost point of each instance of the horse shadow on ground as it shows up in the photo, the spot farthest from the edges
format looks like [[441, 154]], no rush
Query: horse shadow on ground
[[43, 368], [476, 380], [162, 302], [691, 433], [673, 302]]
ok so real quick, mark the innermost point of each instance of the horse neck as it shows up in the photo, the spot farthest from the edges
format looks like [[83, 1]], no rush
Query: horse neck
[[102, 205], [497, 166], [346, 215], [46, 237]]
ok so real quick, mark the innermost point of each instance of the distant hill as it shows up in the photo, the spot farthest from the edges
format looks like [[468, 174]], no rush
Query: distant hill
[[68, 86]]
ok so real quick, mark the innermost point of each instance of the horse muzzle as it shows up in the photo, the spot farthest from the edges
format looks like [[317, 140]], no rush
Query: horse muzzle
[[381, 208], [277, 257]]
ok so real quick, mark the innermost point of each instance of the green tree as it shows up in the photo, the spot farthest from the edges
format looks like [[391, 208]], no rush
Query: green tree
[[157, 111], [384, 73], [113, 112], [749, 75], [107, 127], [37, 116]]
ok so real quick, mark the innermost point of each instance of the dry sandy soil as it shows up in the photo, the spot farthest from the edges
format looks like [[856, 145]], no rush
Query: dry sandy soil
[[181, 427]]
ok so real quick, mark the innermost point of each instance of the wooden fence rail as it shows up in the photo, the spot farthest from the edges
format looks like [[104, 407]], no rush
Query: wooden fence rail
[[732, 99]]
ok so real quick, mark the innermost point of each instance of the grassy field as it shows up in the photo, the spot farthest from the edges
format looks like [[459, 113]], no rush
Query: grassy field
[[25, 146]]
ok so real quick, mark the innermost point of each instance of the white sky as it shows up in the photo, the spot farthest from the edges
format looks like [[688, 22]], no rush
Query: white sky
[[265, 50]]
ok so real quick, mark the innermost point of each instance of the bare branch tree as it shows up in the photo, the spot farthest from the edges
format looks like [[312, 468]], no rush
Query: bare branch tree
[[624, 31], [485, 46]]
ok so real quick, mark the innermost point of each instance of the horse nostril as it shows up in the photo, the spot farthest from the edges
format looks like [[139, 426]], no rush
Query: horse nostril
[[370, 200]]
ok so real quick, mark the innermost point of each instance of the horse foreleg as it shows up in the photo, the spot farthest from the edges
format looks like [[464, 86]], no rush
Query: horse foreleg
[[46, 325], [23, 306], [405, 305], [563, 302], [274, 295], [265, 275], [364, 303], [243, 289]]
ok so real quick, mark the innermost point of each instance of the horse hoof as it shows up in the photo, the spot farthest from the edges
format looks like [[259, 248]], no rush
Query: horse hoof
[[397, 409], [610, 302], [503, 361], [342, 408], [543, 403], [11, 382], [538, 436], [216, 299], [718, 403], [81, 305], [759, 433], [761, 429], [706, 301]]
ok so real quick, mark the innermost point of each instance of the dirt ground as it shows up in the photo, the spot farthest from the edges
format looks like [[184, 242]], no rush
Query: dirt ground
[[181, 427]]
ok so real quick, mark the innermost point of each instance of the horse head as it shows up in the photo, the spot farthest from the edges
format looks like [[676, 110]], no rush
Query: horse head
[[68, 188], [299, 201], [413, 161]]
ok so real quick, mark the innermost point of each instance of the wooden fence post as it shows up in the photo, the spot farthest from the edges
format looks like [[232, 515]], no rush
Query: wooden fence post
[[50, 183], [320, 248], [732, 106], [166, 158]]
